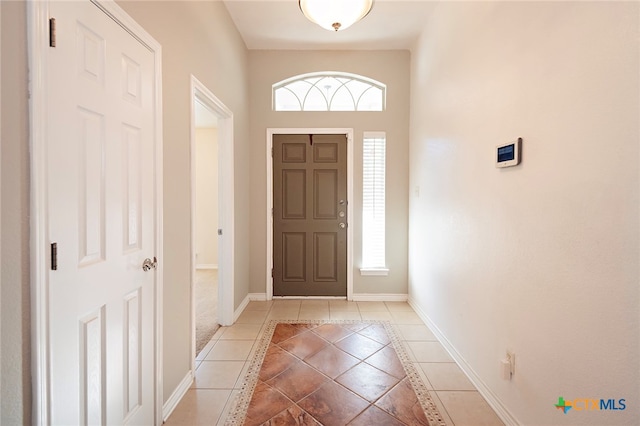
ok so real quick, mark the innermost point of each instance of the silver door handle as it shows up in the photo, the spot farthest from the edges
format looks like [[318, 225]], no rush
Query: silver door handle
[[148, 264], [342, 225]]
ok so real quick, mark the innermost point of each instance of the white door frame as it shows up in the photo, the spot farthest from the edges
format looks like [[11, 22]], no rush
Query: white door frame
[[0, 202], [226, 258], [309, 131], [38, 35]]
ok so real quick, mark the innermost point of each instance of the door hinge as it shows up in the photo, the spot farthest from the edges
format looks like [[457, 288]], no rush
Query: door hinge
[[52, 32], [272, 151], [271, 272], [54, 256]]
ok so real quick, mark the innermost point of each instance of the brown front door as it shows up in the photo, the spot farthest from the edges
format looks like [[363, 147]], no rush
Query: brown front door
[[310, 215]]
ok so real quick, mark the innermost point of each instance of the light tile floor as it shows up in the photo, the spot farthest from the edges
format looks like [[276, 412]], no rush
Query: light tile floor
[[222, 364]]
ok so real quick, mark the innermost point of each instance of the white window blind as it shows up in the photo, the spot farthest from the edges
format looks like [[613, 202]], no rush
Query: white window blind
[[373, 200]]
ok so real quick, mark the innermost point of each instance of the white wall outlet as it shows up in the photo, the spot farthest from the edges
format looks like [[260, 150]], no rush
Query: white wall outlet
[[512, 360], [505, 369], [508, 366]]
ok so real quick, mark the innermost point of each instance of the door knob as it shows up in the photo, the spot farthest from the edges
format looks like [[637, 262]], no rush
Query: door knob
[[342, 225], [149, 264]]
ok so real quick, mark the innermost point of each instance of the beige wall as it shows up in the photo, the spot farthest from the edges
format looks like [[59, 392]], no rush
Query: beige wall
[[206, 197], [542, 258], [197, 38], [15, 387], [389, 67]]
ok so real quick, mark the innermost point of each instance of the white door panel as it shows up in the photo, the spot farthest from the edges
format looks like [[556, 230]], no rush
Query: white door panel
[[101, 205]]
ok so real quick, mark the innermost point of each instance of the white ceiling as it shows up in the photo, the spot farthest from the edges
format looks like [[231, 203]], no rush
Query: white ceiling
[[279, 24]]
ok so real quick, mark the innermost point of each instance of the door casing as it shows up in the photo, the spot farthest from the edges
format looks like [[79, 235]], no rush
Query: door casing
[[38, 30], [226, 260], [350, 158]]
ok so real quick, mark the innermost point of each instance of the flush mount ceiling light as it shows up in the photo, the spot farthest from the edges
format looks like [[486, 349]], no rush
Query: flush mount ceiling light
[[335, 15]]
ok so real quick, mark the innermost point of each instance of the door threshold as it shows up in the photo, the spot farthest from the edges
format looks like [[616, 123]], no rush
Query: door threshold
[[310, 297]]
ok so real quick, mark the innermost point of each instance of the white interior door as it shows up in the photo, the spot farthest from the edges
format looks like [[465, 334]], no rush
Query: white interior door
[[100, 159]]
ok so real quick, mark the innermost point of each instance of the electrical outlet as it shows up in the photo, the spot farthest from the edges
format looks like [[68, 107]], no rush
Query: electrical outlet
[[508, 366], [512, 361]]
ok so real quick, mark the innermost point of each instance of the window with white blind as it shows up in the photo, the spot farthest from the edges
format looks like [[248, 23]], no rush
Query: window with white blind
[[373, 204]]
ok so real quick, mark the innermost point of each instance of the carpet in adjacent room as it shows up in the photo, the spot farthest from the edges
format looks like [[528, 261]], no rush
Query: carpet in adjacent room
[[206, 305]]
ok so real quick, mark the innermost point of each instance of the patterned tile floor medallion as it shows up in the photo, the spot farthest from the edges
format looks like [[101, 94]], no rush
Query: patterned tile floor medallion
[[332, 373]]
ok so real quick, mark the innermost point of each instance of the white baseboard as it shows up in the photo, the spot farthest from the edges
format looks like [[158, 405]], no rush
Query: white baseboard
[[240, 309], [257, 297], [360, 297], [206, 266], [492, 399], [379, 297], [177, 395], [309, 298]]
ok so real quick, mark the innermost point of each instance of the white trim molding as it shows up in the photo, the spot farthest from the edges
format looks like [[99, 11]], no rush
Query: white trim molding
[[379, 297], [226, 241], [374, 272], [350, 197], [241, 308], [0, 209], [37, 16], [309, 298], [177, 395], [257, 297], [206, 266], [226, 244], [492, 399]]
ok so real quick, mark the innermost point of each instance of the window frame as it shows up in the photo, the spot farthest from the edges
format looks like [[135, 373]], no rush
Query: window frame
[[379, 268], [314, 85]]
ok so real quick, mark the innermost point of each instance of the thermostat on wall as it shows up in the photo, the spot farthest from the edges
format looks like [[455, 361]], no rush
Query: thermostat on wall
[[508, 154]]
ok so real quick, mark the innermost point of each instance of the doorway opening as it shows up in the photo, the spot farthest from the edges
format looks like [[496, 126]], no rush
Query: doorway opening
[[205, 287], [212, 228], [271, 134]]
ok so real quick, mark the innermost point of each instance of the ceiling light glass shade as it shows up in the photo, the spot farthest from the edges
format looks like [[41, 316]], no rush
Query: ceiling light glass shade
[[335, 15]]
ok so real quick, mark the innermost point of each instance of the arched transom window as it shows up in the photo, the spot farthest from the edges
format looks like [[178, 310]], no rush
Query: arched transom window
[[329, 91]]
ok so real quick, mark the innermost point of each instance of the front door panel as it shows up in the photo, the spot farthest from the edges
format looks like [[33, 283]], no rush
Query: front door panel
[[310, 215]]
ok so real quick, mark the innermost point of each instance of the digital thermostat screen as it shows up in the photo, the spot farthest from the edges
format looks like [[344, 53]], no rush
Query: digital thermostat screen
[[506, 153]]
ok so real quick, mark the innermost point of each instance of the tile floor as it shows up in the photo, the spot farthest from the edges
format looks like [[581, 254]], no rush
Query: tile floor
[[333, 374], [221, 366]]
